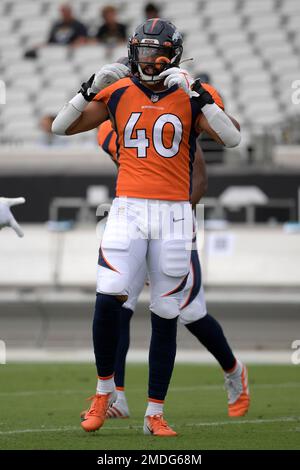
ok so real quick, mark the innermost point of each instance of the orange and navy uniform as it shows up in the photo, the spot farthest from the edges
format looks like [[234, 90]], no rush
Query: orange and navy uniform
[[155, 138], [107, 139]]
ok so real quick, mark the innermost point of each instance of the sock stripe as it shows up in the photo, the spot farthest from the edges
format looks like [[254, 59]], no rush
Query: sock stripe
[[106, 378], [153, 400], [120, 389]]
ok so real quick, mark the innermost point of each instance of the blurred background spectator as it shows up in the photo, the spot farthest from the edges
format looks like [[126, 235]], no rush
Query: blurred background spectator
[[111, 31], [151, 11], [68, 30]]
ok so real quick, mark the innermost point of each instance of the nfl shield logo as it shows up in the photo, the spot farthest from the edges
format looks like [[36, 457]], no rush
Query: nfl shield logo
[[154, 98]]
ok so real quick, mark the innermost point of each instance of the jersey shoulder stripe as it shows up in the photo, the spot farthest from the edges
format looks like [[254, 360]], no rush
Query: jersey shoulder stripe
[[215, 95], [105, 94]]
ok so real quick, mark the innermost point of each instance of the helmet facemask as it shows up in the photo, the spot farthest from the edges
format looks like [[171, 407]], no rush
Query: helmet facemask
[[149, 59]]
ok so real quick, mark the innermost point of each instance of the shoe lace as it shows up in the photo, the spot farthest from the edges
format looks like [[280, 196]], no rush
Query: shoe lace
[[159, 421], [93, 411]]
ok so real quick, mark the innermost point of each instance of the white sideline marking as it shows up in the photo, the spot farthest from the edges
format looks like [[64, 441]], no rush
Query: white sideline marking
[[283, 419], [193, 356], [193, 388]]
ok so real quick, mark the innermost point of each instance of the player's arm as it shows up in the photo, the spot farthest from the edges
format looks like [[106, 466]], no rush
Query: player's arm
[[81, 113], [91, 117], [199, 176], [213, 120], [227, 133]]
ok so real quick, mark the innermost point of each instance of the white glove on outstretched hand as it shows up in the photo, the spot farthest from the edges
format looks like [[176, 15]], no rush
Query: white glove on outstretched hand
[[177, 76], [6, 217], [107, 75]]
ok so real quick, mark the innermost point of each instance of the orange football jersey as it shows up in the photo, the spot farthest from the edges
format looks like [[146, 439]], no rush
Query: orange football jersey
[[155, 138], [107, 137]]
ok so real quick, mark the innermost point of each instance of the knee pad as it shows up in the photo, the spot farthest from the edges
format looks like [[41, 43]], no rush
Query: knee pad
[[175, 258], [195, 310], [165, 307], [191, 315], [110, 282], [110, 279]]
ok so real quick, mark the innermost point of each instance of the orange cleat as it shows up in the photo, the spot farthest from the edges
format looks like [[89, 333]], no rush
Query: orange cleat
[[94, 418], [238, 393], [157, 426]]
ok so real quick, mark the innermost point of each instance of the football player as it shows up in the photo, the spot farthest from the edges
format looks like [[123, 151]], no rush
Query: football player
[[157, 113], [6, 217], [193, 313]]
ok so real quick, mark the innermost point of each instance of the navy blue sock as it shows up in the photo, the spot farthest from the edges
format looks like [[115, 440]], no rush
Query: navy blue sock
[[123, 346], [106, 327], [209, 332], [161, 355]]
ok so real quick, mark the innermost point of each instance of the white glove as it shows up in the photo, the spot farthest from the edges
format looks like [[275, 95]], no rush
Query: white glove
[[107, 75], [177, 76], [6, 217]]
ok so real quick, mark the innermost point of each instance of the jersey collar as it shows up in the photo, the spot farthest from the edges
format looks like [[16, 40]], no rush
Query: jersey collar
[[154, 96]]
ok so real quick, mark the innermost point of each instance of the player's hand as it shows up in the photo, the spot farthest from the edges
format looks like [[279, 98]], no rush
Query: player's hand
[[107, 75], [6, 217], [177, 76], [201, 94]]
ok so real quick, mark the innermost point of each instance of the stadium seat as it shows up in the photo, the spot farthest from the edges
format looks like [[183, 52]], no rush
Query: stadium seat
[[23, 68], [284, 64], [26, 9], [231, 38], [179, 9], [258, 7], [188, 25], [15, 96], [293, 23], [19, 111], [5, 26], [52, 54], [116, 53], [89, 54], [278, 51], [31, 83], [259, 23], [266, 38], [245, 46], [245, 65], [55, 97], [225, 23], [237, 51], [290, 7], [218, 7], [57, 70]]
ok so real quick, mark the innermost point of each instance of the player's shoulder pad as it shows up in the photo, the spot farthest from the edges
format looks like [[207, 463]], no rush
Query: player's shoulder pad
[[215, 95], [104, 94]]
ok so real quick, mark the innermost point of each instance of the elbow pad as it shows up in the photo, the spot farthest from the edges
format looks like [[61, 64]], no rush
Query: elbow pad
[[69, 114], [222, 125]]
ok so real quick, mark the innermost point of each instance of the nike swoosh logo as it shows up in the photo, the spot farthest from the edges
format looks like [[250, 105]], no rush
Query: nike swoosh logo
[[177, 220]]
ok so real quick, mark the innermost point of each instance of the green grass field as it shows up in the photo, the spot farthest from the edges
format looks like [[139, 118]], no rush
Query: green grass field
[[40, 406]]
